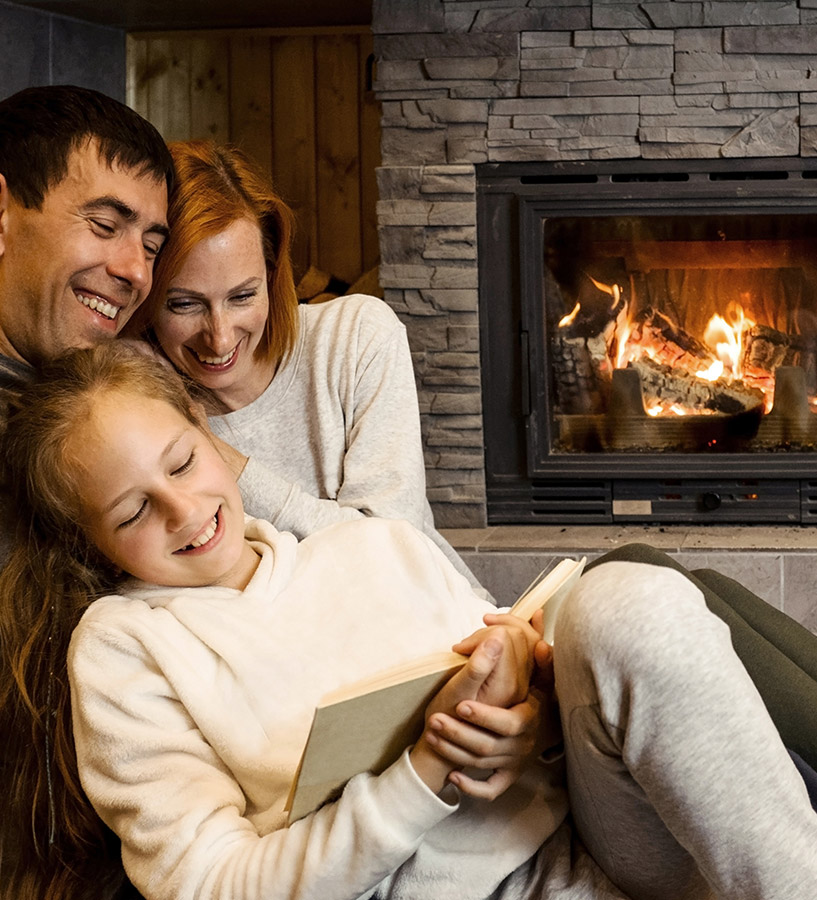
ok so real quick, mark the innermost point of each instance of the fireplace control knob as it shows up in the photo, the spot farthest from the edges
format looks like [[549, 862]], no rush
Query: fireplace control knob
[[711, 500]]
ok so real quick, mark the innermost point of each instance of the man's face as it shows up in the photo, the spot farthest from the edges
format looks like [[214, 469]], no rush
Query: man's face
[[73, 272]]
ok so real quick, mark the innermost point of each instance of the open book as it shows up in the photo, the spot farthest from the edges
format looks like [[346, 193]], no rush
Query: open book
[[364, 727]]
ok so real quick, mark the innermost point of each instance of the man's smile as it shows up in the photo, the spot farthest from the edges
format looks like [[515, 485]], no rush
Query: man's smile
[[97, 303]]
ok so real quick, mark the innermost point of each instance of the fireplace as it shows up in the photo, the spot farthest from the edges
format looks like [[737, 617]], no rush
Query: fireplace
[[649, 340]]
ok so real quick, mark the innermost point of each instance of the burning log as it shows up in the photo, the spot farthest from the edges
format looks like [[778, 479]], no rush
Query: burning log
[[670, 343], [767, 349], [628, 427], [670, 386]]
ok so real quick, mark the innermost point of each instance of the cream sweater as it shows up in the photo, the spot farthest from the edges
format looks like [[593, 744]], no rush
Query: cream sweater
[[336, 435], [191, 707]]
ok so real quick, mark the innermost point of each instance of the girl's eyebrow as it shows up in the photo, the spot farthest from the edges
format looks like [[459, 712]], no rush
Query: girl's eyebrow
[[119, 498]]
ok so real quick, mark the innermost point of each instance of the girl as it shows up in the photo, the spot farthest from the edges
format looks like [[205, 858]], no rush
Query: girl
[[193, 683], [57, 567]]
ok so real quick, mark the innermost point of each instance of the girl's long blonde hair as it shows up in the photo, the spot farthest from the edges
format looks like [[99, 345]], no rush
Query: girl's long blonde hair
[[52, 844]]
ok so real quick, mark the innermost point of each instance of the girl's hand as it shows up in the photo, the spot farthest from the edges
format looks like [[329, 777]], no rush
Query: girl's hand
[[491, 689], [508, 682], [489, 739], [434, 767]]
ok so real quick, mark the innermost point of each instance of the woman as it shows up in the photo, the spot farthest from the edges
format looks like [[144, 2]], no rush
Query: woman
[[319, 400], [192, 686]]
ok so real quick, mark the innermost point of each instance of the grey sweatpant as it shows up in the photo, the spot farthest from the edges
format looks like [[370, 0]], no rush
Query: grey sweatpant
[[680, 786]]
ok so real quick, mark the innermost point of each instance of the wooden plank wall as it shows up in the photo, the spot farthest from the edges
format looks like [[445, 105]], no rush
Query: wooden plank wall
[[299, 101]]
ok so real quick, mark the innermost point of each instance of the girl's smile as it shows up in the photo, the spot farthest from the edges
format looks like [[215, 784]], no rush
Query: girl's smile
[[207, 539], [159, 501]]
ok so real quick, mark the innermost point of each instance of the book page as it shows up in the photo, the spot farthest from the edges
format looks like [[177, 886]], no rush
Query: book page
[[550, 589]]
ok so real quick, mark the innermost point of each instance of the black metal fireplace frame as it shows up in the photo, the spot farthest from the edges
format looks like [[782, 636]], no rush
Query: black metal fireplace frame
[[526, 485]]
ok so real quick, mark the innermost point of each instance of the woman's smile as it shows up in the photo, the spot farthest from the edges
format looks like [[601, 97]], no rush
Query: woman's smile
[[214, 316]]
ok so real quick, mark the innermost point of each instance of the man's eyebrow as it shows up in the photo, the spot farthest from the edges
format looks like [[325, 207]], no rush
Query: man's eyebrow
[[128, 213]]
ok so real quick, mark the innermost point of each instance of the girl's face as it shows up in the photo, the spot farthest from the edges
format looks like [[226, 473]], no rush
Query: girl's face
[[213, 317], [158, 500]]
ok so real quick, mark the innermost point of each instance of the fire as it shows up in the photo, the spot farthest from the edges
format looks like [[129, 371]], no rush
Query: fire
[[623, 330], [568, 319], [635, 334], [726, 338], [713, 373], [612, 289]]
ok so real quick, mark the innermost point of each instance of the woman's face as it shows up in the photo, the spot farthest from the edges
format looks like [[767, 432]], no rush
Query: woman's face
[[158, 500], [213, 317]]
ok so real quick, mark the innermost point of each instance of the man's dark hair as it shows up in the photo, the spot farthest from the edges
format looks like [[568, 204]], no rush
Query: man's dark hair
[[41, 126]]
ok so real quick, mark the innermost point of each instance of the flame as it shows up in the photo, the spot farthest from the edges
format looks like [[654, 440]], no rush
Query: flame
[[630, 337], [713, 373], [568, 319], [726, 338], [622, 356], [613, 290]]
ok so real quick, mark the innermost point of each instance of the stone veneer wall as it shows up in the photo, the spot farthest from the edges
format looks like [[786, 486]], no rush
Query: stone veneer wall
[[470, 81]]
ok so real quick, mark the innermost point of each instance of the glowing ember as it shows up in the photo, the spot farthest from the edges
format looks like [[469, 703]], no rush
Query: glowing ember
[[713, 373]]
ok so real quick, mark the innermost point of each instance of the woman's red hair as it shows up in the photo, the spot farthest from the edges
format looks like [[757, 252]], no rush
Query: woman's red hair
[[216, 186]]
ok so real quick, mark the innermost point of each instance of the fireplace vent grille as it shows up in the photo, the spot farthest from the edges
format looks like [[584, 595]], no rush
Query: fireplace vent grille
[[808, 502], [630, 501], [553, 503], [701, 500]]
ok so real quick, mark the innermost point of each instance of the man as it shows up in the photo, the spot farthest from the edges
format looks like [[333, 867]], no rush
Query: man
[[84, 182]]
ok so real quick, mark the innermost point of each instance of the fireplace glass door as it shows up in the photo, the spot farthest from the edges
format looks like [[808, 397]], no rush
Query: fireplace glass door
[[682, 333]]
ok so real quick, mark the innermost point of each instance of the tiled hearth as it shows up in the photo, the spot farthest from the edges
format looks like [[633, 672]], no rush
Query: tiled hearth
[[776, 562], [463, 82]]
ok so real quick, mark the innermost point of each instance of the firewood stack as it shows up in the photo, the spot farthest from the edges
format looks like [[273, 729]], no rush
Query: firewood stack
[[678, 387], [579, 365]]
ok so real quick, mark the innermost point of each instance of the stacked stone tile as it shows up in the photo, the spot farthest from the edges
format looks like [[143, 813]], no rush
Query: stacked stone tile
[[470, 81]]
